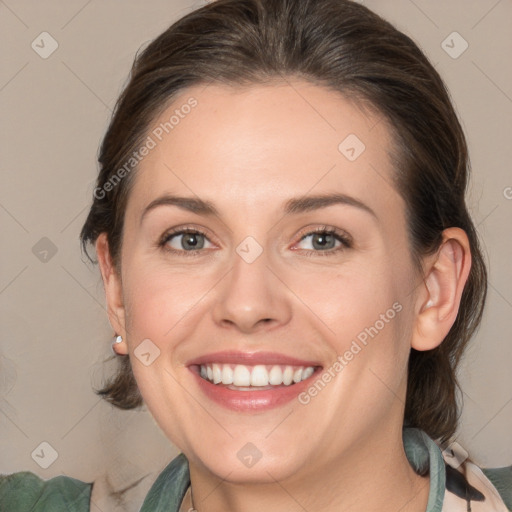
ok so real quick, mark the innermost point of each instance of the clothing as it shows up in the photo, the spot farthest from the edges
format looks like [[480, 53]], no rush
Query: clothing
[[24, 491]]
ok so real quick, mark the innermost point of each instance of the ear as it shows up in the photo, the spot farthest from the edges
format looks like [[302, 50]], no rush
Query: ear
[[438, 302], [113, 292]]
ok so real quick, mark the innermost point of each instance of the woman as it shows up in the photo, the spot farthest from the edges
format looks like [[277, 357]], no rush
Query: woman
[[289, 266]]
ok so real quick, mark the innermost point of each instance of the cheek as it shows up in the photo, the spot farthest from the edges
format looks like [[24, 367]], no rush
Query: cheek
[[366, 308], [350, 299], [159, 300]]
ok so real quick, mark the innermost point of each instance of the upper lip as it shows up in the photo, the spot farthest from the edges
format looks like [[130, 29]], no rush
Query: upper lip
[[250, 359]]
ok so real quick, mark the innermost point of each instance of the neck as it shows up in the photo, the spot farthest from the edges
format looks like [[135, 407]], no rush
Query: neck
[[374, 476]]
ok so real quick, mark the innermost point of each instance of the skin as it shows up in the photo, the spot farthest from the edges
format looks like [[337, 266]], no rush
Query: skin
[[249, 150]]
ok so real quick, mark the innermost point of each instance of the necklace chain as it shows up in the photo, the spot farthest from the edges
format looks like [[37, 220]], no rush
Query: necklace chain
[[192, 501]]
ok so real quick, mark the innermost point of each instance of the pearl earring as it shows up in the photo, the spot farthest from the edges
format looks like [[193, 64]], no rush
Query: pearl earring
[[118, 339]]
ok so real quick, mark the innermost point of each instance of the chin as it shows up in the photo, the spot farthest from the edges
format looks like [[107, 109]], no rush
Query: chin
[[246, 462]]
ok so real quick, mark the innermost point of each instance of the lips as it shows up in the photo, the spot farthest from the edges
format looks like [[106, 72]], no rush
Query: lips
[[244, 381], [251, 358]]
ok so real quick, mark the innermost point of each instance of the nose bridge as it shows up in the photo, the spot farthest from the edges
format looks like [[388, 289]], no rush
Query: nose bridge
[[251, 295]]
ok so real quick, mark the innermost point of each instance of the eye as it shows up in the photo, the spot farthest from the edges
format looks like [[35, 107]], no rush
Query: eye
[[326, 240], [185, 241]]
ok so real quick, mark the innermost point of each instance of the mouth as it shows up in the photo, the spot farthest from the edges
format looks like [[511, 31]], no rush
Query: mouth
[[253, 378], [252, 382]]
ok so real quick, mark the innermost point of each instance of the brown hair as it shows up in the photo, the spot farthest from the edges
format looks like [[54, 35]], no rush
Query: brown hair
[[346, 47]]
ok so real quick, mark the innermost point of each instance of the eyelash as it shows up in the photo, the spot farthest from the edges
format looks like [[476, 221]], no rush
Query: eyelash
[[181, 231], [341, 236]]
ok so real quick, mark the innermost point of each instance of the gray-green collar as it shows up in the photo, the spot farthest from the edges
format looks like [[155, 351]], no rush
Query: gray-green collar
[[170, 487]]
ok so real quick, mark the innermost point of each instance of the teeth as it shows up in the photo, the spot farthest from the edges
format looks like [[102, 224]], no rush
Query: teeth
[[260, 375], [275, 376], [307, 373], [217, 373], [227, 374], [241, 376], [288, 376]]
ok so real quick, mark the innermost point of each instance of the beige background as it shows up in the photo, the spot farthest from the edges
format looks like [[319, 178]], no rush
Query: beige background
[[55, 333]]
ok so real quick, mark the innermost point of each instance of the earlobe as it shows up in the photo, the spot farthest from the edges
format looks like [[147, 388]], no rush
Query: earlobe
[[438, 302], [113, 291]]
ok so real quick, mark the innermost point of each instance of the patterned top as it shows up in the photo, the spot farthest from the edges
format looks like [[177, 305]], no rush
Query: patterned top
[[454, 486]]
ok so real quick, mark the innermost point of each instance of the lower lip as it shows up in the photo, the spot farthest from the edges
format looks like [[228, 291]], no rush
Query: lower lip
[[251, 400]]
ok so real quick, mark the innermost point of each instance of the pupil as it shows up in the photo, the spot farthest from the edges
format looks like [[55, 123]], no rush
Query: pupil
[[190, 241], [322, 239]]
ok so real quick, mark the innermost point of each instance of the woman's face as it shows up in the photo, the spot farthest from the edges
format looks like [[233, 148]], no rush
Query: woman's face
[[261, 291]]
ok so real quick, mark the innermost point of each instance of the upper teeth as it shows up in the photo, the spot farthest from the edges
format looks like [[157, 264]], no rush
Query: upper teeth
[[258, 375]]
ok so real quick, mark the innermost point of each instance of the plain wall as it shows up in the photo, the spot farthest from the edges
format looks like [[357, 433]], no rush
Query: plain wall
[[55, 332]]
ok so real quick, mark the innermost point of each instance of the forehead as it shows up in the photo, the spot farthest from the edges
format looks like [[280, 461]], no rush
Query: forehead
[[261, 144]]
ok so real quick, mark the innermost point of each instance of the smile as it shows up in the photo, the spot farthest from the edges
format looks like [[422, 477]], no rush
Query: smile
[[248, 378], [252, 382]]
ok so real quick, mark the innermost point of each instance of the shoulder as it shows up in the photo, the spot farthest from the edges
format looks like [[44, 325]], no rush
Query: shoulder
[[26, 491], [502, 481], [491, 488], [457, 483], [170, 487]]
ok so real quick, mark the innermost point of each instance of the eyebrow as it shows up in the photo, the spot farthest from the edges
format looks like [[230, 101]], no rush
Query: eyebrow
[[292, 206], [308, 203], [191, 204]]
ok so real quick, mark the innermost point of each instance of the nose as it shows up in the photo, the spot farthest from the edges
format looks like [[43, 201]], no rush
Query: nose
[[252, 297]]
